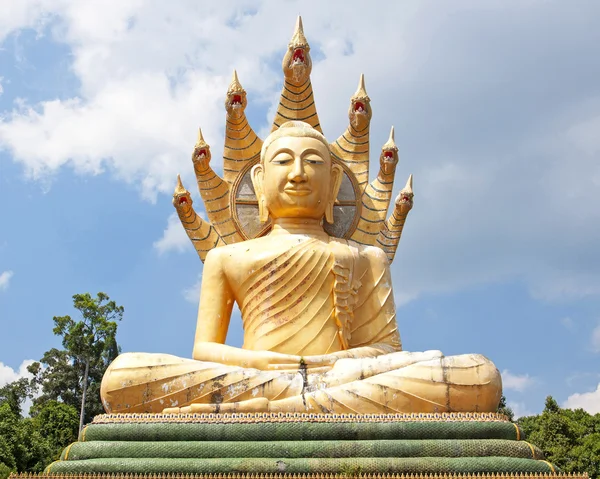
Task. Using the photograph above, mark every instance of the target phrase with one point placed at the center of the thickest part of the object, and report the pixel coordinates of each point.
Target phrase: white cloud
(516, 382)
(5, 278)
(192, 294)
(9, 375)
(596, 339)
(174, 237)
(590, 401)
(568, 323)
(506, 163)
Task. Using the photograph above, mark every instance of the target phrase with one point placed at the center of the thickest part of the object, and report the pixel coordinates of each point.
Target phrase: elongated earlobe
(257, 177)
(336, 182)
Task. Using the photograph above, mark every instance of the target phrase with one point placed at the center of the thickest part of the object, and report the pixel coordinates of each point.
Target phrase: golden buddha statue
(298, 239)
(320, 331)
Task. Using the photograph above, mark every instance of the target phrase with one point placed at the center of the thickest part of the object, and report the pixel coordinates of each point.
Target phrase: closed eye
(314, 160)
(282, 159)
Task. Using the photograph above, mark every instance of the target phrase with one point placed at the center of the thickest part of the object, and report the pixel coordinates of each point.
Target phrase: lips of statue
(297, 178)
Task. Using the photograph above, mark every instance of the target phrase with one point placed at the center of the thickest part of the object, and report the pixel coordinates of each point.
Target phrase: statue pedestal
(240, 445)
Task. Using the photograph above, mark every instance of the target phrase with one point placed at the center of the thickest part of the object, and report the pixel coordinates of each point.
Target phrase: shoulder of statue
(369, 256)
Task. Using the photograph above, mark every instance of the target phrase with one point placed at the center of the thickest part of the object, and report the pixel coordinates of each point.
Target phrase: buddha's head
(296, 177)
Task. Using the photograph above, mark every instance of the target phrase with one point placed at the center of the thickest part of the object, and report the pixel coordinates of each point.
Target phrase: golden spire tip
(200, 137)
(235, 82)
(409, 183)
(299, 26)
(361, 91)
(391, 138)
(298, 36)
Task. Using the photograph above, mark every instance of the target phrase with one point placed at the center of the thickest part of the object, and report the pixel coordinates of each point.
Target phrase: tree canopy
(65, 387)
(73, 375)
(569, 438)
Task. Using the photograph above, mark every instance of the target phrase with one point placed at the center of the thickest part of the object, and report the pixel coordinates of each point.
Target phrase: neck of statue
(305, 226)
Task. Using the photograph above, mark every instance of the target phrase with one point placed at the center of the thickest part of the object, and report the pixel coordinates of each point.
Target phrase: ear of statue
(257, 180)
(336, 182)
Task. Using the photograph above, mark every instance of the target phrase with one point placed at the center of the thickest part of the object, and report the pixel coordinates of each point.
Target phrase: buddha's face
(296, 179)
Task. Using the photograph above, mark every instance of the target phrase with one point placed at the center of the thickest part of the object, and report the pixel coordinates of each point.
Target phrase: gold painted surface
(241, 143)
(203, 235)
(377, 195)
(390, 234)
(352, 147)
(233, 212)
(320, 330)
(297, 101)
(214, 192)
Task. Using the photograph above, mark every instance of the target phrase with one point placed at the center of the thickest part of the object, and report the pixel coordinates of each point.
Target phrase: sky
(496, 109)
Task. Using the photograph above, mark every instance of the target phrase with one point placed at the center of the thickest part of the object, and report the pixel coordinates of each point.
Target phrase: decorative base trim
(298, 417)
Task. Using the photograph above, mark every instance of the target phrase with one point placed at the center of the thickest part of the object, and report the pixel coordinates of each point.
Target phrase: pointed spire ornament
(390, 144)
(361, 92)
(298, 39)
(200, 141)
(180, 189)
(235, 86)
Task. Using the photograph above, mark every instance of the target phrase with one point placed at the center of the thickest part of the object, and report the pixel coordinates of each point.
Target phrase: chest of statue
(288, 296)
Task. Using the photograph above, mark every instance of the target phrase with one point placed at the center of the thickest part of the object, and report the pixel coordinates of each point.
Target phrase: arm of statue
(390, 234)
(216, 304)
(203, 235)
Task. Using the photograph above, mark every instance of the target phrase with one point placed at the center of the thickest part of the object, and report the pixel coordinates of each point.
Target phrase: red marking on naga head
(298, 55)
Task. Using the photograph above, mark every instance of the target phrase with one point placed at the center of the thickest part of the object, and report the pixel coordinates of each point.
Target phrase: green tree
(569, 438)
(21, 446)
(58, 425)
(73, 375)
(15, 393)
(503, 408)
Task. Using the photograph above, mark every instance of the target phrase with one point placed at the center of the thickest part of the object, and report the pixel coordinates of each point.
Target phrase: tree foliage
(73, 375)
(59, 388)
(569, 438)
(503, 408)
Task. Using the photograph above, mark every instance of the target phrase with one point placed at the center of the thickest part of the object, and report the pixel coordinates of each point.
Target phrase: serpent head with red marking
(201, 155)
(182, 199)
(360, 112)
(389, 155)
(297, 63)
(404, 200)
(235, 101)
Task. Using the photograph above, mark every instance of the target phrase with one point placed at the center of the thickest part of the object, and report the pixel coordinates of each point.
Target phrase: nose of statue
(297, 175)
